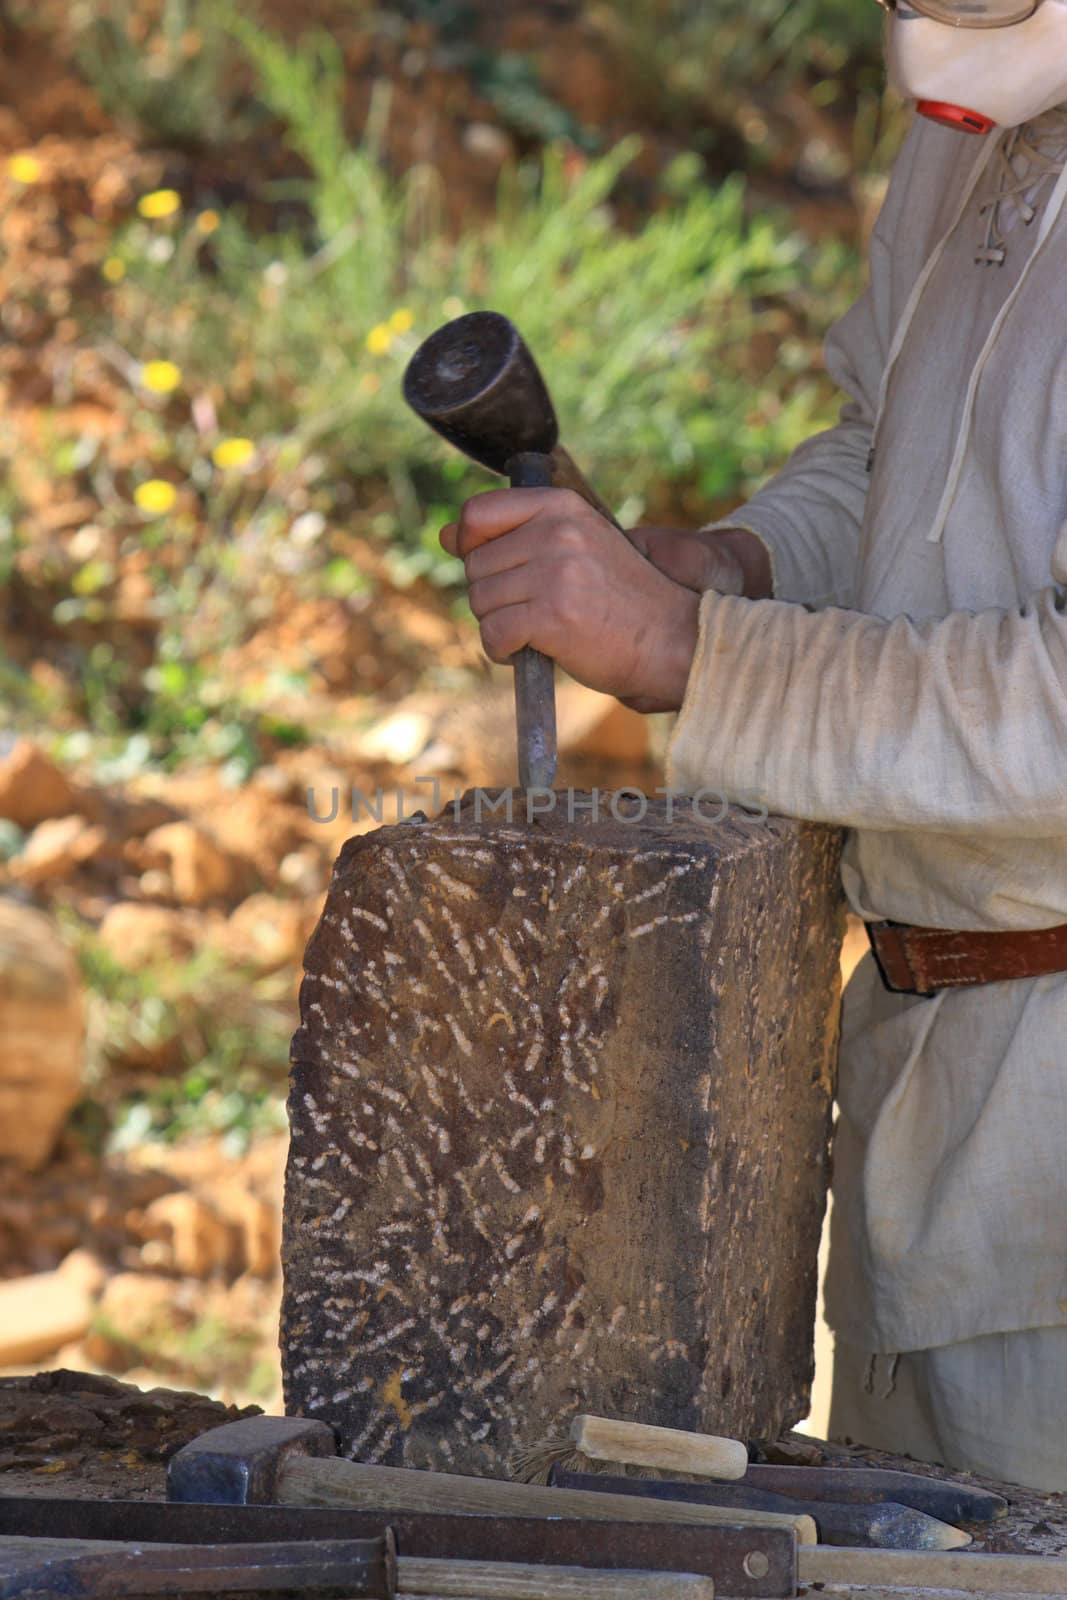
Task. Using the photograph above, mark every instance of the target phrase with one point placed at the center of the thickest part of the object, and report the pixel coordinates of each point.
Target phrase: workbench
(68, 1434)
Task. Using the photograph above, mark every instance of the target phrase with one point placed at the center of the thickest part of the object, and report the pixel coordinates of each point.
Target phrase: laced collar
(1047, 132)
(1024, 163)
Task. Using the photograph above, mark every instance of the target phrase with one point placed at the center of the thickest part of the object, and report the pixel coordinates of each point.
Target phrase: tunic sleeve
(957, 724)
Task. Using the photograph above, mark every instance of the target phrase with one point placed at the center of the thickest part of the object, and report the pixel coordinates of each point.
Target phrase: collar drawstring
(1004, 148)
(985, 155)
(1024, 167)
(1048, 222)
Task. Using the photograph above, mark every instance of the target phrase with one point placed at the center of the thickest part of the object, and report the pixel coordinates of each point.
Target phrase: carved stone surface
(560, 1110)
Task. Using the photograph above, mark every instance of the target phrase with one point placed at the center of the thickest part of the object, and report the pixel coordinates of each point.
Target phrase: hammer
(476, 383)
(293, 1461)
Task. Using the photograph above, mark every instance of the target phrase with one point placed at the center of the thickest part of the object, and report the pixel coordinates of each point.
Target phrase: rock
(32, 788)
(560, 1110)
(489, 143)
(251, 827)
(400, 737)
(792, 1450)
(115, 1439)
(57, 848)
(304, 870)
(200, 871)
(142, 936)
(258, 1225)
(192, 1238)
(84, 1270)
(39, 1314)
(155, 884)
(42, 1024)
(270, 933)
(133, 1301)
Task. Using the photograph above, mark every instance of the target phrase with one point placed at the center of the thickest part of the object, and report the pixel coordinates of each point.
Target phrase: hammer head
(477, 384)
(239, 1463)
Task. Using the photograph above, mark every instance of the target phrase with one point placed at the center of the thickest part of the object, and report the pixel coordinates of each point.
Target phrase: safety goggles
(968, 13)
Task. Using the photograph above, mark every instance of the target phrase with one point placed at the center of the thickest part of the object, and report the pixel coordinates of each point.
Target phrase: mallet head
(239, 1463)
(477, 384)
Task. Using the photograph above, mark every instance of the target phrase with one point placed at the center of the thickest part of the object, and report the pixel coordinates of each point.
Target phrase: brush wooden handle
(495, 1580)
(334, 1481)
(635, 1445)
(920, 1570)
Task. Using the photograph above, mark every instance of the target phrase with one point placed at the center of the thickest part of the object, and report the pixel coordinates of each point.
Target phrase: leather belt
(923, 961)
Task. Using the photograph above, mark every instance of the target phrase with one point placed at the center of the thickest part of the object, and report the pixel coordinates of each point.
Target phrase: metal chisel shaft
(535, 674)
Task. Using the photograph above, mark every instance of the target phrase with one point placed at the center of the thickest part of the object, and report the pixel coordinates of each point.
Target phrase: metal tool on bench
(868, 1518)
(361, 1570)
(476, 383)
(293, 1460)
(938, 1497)
(882, 1524)
(432, 1549)
(271, 1459)
(32, 1528)
(93, 1569)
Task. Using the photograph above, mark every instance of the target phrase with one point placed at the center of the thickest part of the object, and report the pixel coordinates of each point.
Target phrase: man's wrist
(681, 649)
(751, 554)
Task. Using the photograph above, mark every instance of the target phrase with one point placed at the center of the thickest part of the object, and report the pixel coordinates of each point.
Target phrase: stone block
(560, 1109)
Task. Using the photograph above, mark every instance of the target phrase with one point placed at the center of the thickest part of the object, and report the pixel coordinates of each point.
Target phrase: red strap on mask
(957, 117)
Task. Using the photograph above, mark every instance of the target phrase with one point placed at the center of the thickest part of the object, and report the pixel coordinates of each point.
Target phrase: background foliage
(670, 198)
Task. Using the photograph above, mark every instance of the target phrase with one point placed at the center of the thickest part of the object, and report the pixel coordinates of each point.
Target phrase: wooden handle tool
(494, 1580)
(304, 1481)
(954, 1571)
(633, 1444)
(875, 1524)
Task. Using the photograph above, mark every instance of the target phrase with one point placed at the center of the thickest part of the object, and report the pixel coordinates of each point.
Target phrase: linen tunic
(909, 681)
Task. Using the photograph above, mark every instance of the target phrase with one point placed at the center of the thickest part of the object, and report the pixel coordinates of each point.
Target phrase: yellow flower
(25, 168)
(162, 377)
(402, 321)
(380, 340)
(233, 453)
(114, 269)
(207, 222)
(156, 497)
(160, 203)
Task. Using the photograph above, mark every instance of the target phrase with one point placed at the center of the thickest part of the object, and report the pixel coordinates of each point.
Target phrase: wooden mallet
(476, 383)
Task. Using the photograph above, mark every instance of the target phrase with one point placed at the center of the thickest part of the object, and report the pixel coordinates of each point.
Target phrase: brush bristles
(533, 1463)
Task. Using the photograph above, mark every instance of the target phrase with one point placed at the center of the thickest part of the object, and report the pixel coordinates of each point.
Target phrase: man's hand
(733, 561)
(548, 571)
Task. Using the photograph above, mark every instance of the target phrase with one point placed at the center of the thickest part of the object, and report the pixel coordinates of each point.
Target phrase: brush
(597, 1444)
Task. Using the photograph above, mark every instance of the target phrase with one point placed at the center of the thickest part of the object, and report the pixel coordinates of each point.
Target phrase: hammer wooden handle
(669, 1449)
(952, 1571)
(493, 1580)
(566, 474)
(339, 1482)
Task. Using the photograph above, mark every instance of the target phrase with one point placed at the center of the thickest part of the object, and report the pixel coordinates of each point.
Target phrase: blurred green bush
(656, 341)
(258, 344)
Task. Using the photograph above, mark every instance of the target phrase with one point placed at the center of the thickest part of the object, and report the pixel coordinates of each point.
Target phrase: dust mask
(973, 71)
